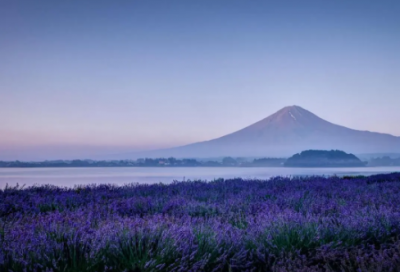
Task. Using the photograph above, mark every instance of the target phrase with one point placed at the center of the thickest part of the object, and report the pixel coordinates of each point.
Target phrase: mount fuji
(288, 131)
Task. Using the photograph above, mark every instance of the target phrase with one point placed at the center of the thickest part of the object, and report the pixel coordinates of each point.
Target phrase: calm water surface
(77, 176)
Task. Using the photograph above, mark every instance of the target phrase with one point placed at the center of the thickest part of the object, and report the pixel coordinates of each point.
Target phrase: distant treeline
(147, 162)
(309, 158)
(384, 161)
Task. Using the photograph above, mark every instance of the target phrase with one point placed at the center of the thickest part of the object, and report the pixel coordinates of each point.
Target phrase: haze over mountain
(288, 131)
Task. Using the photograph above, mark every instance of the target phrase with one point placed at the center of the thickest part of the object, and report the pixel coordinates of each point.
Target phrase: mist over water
(69, 177)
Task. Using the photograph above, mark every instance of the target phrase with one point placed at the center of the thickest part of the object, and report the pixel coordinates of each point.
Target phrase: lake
(149, 175)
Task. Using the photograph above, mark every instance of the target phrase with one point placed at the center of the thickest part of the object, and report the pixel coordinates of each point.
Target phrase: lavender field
(279, 224)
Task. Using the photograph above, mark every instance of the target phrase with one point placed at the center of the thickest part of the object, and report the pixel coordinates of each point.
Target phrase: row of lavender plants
(280, 224)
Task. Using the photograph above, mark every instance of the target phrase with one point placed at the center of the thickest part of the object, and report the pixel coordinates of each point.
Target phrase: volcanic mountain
(288, 131)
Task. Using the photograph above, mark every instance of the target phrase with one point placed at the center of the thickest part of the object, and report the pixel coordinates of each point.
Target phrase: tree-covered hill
(324, 158)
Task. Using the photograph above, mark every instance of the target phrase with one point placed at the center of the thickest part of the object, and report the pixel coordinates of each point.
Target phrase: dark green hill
(323, 158)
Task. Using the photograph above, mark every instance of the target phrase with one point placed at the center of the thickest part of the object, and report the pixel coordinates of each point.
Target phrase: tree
(229, 161)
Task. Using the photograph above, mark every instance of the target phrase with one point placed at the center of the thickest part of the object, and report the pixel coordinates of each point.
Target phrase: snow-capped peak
(294, 118)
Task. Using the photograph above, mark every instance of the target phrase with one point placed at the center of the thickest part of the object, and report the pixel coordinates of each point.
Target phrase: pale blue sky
(80, 79)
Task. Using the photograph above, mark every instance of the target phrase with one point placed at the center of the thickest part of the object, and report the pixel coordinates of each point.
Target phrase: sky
(80, 79)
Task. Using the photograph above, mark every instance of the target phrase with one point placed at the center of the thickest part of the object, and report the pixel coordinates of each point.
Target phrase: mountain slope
(288, 131)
